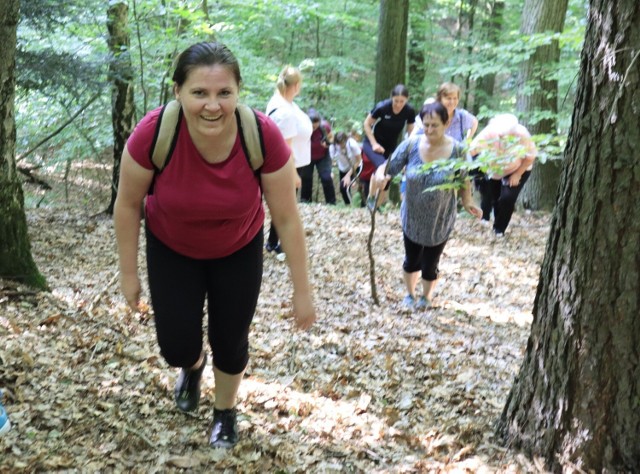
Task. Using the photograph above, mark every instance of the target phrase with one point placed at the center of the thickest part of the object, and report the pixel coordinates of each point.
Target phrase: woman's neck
(443, 140)
(289, 94)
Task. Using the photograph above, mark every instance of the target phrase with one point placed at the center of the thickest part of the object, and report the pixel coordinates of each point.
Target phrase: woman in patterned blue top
(427, 217)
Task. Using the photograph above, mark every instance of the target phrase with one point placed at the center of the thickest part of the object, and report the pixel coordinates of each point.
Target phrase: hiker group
(201, 197)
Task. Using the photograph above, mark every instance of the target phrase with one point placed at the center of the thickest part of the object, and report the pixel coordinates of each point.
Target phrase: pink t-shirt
(204, 210)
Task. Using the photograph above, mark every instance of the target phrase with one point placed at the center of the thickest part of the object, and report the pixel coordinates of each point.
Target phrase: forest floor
(368, 389)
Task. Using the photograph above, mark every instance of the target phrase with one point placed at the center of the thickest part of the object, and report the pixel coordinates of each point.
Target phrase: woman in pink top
(204, 230)
(513, 152)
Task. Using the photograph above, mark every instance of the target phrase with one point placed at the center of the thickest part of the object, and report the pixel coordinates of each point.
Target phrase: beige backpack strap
(166, 134)
(250, 135)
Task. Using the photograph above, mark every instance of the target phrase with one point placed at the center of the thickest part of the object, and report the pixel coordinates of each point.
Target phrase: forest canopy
(63, 58)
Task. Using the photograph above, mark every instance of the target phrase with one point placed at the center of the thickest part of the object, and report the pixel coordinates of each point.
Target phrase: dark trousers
(324, 170)
(343, 189)
(419, 257)
(500, 198)
(179, 286)
(273, 238)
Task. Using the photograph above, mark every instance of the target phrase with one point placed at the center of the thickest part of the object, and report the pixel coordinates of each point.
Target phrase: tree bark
(16, 261)
(538, 92)
(392, 46)
(576, 399)
(121, 76)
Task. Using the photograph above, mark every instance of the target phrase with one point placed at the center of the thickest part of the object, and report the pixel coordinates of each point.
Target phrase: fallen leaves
(367, 389)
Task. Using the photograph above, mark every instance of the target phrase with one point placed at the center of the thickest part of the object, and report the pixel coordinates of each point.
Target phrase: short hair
(288, 77)
(205, 54)
(435, 108)
(503, 124)
(400, 89)
(314, 115)
(447, 88)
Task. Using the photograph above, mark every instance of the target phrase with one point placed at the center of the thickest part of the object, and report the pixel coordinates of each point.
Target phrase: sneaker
(422, 303)
(499, 235)
(224, 433)
(408, 301)
(4, 420)
(273, 248)
(187, 391)
(371, 203)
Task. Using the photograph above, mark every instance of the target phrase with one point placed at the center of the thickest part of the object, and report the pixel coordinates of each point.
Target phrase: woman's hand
(130, 286)
(378, 148)
(303, 311)
(514, 179)
(472, 209)
(346, 181)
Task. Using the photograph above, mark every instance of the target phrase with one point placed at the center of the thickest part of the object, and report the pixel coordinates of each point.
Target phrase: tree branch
(60, 128)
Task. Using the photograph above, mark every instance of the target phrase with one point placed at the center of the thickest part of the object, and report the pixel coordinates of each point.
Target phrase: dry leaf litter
(368, 389)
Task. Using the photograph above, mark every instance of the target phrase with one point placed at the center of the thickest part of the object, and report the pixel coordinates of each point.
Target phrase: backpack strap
(168, 126)
(166, 135)
(250, 136)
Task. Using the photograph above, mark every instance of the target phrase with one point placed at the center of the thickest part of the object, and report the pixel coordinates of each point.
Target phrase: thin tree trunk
(536, 75)
(16, 261)
(121, 76)
(576, 399)
(392, 46)
(483, 93)
(416, 53)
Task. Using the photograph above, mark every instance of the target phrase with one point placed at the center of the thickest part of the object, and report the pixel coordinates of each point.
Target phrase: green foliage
(63, 60)
(457, 170)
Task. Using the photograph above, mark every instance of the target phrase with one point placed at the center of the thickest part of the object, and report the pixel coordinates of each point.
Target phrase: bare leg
(376, 186)
(427, 288)
(199, 362)
(226, 388)
(411, 280)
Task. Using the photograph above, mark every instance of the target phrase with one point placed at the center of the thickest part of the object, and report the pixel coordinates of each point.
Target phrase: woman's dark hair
(340, 138)
(435, 108)
(205, 54)
(400, 89)
(314, 115)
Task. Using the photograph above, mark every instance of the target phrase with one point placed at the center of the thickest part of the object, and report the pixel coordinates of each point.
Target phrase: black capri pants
(179, 286)
(419, 257)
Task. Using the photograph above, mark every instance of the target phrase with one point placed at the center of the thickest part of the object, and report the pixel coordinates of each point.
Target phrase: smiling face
(209, 96)
(450, 101)
(434, 128)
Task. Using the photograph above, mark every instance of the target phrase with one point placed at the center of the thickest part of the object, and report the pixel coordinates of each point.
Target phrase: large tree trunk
(121, 76)
(16, 261)
(576, 399)
(392, 46)
(483, 94)
(538, 92)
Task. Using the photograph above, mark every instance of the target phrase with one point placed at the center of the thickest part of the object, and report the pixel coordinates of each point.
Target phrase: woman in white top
(346, 152)
(295, 127)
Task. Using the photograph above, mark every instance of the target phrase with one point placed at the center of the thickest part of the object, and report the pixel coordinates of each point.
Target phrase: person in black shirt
(383, 128)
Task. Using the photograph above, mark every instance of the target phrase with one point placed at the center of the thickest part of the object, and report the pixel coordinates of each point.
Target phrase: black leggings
(419, 257)
(178, 287)
(500, 198)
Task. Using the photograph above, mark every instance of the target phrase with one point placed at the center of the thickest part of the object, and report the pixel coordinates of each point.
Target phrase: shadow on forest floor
(367, 389)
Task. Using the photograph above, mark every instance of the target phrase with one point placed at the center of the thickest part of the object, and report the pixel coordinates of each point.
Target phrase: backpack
(165, 137)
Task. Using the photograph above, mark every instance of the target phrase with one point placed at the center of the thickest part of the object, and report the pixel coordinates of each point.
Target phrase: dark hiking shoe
(224, 433)
(187, 391)
(273, 248)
